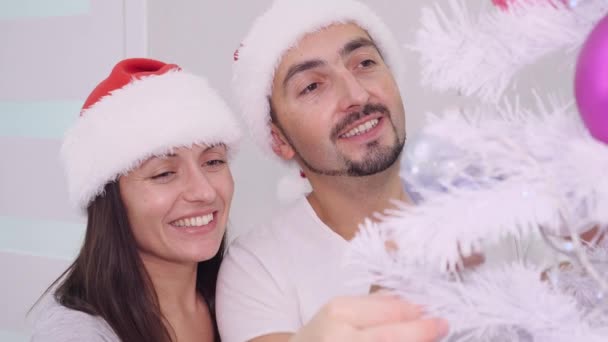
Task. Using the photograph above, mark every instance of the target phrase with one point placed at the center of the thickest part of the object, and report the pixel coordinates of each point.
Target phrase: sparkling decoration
(428, 159)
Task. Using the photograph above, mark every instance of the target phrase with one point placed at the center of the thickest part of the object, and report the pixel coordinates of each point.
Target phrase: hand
(377, 317)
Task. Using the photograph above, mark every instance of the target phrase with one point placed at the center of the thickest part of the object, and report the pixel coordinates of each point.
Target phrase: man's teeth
(362, 128)
(194, 221)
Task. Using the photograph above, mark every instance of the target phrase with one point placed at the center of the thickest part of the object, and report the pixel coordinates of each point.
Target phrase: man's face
(338, 107)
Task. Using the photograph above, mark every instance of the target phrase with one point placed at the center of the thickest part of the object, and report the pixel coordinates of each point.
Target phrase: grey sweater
(56, 323)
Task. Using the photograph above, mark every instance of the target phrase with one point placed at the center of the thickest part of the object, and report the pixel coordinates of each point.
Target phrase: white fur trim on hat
(148, 117)
(279, 29)
(292, 187)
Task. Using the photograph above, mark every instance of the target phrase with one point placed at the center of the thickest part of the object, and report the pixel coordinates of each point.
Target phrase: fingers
(563, 266)
(467, 262)
(422, 330)
(592, 236)
(391, 246)
(370, 310)
(473, 260)
(376, 317)
(375, 288)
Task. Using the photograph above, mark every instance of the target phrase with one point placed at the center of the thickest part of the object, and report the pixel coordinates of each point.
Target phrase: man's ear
(280, 145)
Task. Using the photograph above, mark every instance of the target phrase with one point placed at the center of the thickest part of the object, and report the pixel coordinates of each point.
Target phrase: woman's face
(178, 205)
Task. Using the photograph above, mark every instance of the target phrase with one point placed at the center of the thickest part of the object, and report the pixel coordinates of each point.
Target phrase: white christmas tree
(531, 181)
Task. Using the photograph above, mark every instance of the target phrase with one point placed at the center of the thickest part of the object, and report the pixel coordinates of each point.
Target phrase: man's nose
(352, 92)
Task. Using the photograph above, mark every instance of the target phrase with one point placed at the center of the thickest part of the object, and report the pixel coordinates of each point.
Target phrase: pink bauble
(591, 81)
(504, 4)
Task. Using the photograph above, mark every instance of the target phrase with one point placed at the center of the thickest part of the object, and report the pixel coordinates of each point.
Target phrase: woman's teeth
(194, 221)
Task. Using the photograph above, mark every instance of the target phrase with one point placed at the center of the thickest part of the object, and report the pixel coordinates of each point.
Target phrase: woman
(147, 162)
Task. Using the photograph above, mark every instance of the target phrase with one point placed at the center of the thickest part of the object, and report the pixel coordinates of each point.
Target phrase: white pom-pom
(292, 187)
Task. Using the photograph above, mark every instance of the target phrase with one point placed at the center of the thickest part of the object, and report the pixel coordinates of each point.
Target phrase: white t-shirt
(57, 323)
(275, 278)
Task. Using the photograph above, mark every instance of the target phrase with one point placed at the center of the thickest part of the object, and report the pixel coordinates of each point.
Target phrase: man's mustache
(354, 116)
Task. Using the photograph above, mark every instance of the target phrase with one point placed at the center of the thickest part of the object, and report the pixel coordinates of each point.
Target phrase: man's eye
(311, 87)
(367, 63)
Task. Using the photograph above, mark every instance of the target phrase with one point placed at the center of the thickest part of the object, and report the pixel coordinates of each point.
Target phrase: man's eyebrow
(301, 67)
(355, 44)
(348, 48)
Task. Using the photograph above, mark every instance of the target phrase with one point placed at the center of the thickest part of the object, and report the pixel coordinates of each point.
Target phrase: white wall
(52, 54)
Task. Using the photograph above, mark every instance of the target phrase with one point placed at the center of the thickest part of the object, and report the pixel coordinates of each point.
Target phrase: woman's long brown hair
(108, 278)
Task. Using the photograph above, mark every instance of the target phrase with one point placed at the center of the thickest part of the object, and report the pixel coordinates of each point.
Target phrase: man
(317, 82)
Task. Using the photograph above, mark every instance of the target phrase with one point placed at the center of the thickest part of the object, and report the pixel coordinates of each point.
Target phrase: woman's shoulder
(55, 322)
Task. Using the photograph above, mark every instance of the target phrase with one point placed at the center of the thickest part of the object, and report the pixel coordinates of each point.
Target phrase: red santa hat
(144, 108)
(274, 33)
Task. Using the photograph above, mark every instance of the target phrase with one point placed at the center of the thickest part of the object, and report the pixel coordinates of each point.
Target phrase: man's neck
(344, 203)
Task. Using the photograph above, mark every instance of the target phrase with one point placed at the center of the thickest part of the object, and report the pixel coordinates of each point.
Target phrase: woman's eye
(162, 175)
(215, 164)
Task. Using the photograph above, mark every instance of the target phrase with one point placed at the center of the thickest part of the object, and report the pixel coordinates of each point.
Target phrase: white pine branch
(480, 54)
(508, 303)
(529, 171)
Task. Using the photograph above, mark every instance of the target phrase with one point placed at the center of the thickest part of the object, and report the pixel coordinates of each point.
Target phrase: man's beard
(377, 159)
